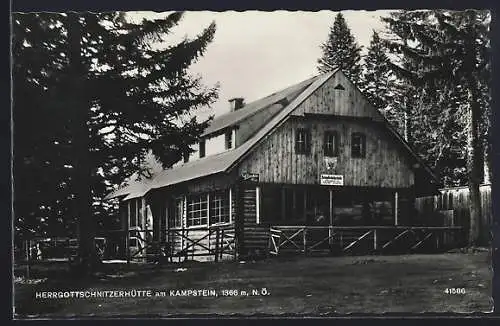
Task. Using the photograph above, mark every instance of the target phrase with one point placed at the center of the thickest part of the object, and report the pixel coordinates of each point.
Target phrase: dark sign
(254, 177)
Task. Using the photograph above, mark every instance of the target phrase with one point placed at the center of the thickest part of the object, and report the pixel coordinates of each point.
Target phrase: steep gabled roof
(131, 190)
(222, 162)
(239, 116)
(227, 160)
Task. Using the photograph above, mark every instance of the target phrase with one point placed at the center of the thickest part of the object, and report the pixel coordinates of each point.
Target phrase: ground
(296, 285)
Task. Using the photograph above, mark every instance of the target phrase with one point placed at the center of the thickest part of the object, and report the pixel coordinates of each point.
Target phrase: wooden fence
(362, 240)
(432, 210)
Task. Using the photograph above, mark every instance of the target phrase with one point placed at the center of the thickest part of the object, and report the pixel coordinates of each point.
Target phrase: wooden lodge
(313, 166)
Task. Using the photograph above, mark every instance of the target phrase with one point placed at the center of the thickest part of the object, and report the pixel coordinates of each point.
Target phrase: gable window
(229, 139)
(358, 145)
(219, 207)
(202, 148)
(331, 143)
(197, 210)
(303, 141)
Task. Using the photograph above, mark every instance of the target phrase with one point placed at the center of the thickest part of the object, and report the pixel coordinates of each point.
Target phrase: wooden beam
(396, 217)
(257, 205)
(357, 240)
(330, 238)
(127, 234)
(230, 204)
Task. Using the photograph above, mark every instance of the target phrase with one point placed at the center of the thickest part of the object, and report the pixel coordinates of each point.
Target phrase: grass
(306, 286)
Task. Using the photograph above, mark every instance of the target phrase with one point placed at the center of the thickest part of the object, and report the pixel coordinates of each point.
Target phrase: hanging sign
(254, 177)
(332, 180)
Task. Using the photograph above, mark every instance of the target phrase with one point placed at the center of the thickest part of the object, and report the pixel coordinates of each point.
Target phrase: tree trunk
(82, 167)
(474, 165)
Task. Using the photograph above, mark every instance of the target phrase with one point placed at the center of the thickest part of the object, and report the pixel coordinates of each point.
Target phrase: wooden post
(28, 263)
(221, 247)
(257, 205)
(437, 240)
(127, 234)
(217, 230)
(375, 240)
(230, 205)
(304, 239)
(330, 240)
(396, 222)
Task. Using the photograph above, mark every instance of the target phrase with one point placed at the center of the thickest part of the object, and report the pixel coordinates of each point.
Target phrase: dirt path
(313, 286)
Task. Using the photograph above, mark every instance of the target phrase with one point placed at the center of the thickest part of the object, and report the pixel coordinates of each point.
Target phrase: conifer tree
(380, 84)
(109, 91)
(450, 56)
(341, 51)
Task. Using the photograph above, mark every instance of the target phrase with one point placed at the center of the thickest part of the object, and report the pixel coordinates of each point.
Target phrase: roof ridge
(252, 108)
(218, 162)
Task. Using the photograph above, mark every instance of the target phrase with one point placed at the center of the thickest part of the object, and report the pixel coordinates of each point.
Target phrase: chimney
(236, 103)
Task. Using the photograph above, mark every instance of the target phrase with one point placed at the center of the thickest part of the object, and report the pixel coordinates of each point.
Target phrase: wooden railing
(363, 239)
(214, 241)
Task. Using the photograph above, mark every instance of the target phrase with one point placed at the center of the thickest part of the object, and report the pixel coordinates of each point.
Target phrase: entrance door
(318, 216)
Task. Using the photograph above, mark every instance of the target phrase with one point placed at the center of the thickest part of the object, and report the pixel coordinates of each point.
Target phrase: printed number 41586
(454, 291)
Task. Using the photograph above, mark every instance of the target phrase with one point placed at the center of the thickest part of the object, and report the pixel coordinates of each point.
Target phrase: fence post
(127, 245)
(375, 240)
(304, 240)
(222, 244)
(216, 244)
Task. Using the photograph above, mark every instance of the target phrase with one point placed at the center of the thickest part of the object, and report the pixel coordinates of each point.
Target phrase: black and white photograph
(251, 163)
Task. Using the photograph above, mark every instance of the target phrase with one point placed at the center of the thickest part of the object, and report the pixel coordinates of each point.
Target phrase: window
(303, 141)
(197, 210)
(219, 207)
(178, 213)
(331, 143)
(202, 148)
(358, 145)
(229, 139)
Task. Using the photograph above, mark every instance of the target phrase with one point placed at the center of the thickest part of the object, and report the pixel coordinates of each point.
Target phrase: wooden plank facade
(319, 156)
(451, 207)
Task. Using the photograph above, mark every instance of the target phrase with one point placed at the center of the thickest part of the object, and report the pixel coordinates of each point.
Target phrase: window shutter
(325, 144)
(363, 139)
(297, 132)
(336, 143)
(308, 141)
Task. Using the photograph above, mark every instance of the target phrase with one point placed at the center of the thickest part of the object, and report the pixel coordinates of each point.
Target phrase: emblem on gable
(330, 163)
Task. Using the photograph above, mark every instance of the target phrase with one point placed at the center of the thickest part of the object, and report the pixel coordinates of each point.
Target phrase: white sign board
(332, 180)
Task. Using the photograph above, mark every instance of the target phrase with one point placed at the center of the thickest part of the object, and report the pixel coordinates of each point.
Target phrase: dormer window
(202, 148)
(229, 139)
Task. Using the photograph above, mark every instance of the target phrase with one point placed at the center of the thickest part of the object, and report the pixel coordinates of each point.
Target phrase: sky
(256, 53)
